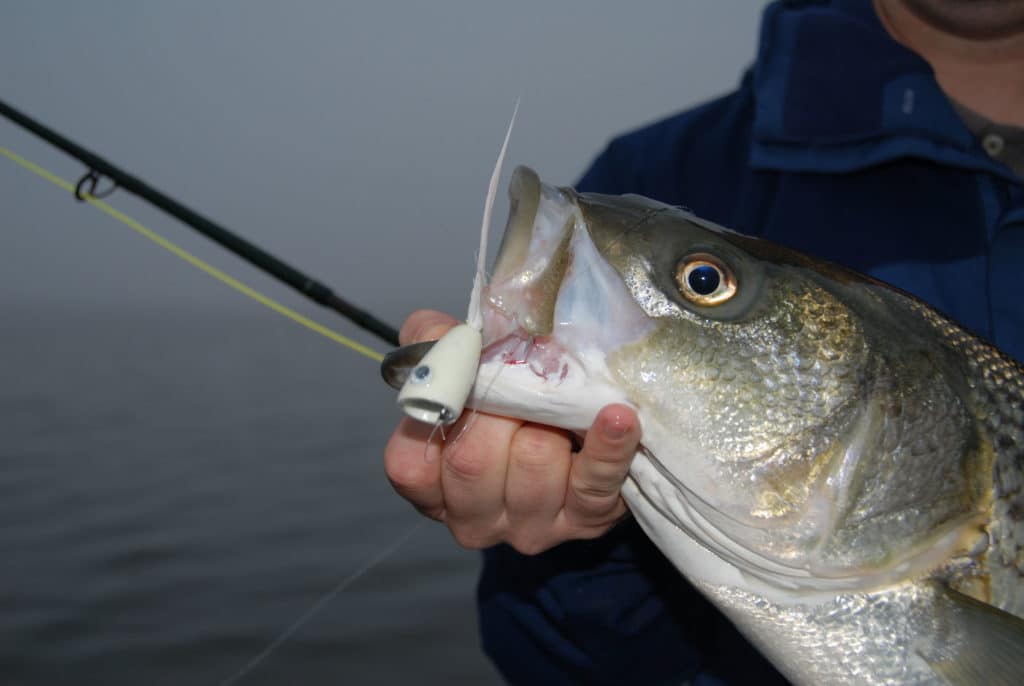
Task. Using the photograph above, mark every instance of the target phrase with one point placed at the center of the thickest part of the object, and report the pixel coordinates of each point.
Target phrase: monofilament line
(319, 604)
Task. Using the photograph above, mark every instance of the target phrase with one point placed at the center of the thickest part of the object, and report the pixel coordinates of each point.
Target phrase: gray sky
(353, 139)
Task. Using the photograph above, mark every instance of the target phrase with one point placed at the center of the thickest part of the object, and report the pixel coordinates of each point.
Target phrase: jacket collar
(834, 92)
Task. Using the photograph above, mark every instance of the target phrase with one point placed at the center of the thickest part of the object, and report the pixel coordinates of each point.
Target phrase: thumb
(601, 466)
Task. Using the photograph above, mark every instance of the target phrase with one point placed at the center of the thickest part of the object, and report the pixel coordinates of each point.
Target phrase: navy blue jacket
(838, 143)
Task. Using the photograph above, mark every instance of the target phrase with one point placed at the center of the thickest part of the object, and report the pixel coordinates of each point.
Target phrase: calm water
(177, 488)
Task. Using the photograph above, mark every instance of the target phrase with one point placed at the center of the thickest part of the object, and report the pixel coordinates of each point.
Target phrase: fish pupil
(704, 279)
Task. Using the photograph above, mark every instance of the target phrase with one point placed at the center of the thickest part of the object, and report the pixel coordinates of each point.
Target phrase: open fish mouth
(550, 315)
(552, 311)
(520, 301)
(516, 308)
(552, 293)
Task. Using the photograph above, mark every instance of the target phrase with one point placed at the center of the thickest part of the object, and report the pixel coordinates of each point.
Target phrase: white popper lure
(437, 388)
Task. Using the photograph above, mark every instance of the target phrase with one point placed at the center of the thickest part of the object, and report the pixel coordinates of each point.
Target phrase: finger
(473, 467)
(600, 468)
(535, 485)
(413, 465)
(425, 325)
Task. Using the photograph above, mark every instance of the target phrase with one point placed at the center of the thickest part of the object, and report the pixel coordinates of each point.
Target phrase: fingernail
(614, 429)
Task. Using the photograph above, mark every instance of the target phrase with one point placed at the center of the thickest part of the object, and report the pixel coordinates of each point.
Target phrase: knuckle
(424, 325)
(406, 476)
(604, 468)
(463, 463)
(532, 463)
(594, 499)
(437, 513)
(609, 460)
(530, 545)
(594, 491)
(472, 538)
(536, 440)
(534, 449)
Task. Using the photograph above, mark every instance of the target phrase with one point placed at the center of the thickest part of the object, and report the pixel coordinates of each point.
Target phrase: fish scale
(997, 398)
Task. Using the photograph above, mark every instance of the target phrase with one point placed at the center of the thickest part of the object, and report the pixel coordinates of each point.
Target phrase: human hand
(506, 480)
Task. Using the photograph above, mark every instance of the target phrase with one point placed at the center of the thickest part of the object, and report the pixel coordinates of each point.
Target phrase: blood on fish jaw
(508, 339)
(541, 354)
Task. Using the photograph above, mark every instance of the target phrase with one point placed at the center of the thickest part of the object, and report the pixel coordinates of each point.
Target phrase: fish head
(751, 367)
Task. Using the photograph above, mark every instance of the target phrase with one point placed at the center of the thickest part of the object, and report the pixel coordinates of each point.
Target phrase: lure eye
(705, 280)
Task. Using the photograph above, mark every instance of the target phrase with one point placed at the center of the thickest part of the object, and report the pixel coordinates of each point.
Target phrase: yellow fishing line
(195, 261)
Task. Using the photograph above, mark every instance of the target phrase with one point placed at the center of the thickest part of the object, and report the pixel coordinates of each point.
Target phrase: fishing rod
(99, 167)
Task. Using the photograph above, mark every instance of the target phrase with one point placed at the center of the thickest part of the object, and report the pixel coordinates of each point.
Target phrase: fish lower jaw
(535, 378)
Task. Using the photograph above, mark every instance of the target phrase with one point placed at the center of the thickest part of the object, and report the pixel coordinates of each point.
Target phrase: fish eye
(705, 280)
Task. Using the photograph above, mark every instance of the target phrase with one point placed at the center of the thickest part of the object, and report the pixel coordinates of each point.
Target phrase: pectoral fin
(976, 643)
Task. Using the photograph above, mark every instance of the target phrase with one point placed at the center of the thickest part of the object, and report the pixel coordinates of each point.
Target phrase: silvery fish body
(834, 464)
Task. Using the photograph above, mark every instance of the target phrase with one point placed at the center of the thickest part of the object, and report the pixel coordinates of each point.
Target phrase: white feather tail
(475, 315)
